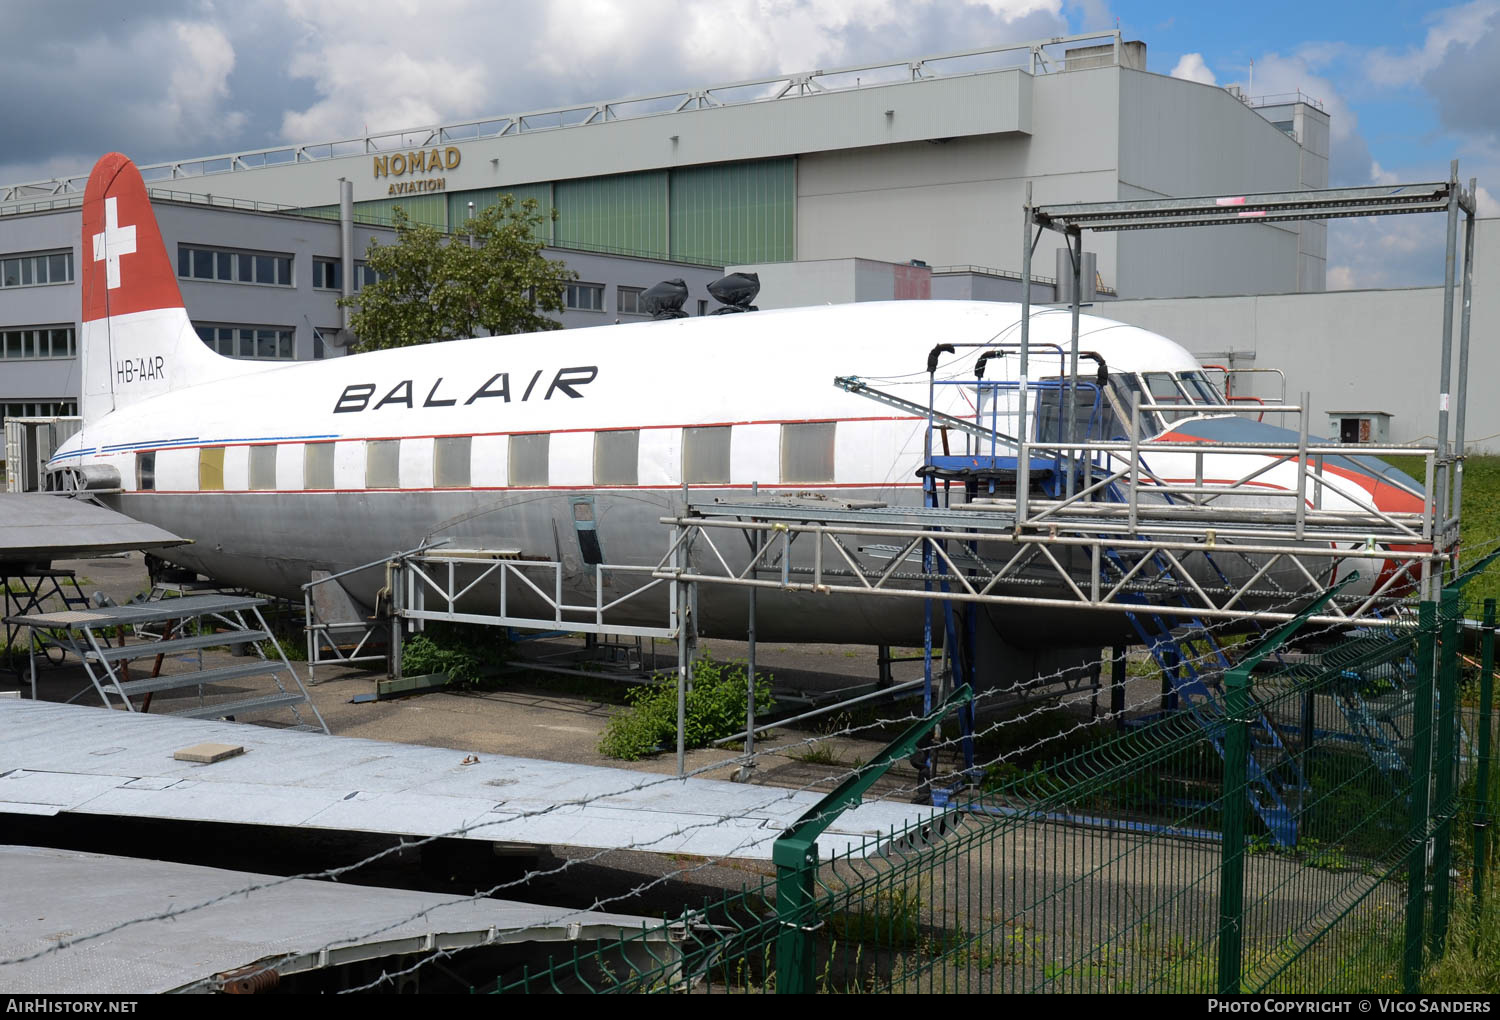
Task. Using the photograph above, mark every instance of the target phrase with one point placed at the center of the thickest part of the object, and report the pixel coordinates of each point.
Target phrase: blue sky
(1408, 86)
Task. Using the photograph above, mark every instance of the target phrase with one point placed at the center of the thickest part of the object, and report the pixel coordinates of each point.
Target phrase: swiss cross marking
(113, 242)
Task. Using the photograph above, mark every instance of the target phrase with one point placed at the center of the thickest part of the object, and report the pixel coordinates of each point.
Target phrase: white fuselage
(547, 418)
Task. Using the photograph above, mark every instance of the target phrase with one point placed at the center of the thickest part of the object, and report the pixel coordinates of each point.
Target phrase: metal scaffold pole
(1070, 433)
(1445, 384)
(1461, 408)
(1023, 464)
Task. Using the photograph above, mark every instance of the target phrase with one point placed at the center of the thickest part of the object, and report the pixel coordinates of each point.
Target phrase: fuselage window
(145, 471)
(210, 468)
(263, 467)
(705, 454)
(450, 462)
(617, 457)
(383, 464)
(807, 452)
(317, 466)
(528, 459)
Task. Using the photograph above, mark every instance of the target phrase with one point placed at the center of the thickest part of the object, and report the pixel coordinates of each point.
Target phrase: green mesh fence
(1108, 870)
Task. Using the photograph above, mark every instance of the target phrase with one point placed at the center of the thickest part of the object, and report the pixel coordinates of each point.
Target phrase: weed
(466, 654)
(890, 919)
(816, 754)
(715, 708)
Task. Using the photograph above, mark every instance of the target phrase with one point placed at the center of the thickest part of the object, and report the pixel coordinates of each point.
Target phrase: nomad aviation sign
(417, 161)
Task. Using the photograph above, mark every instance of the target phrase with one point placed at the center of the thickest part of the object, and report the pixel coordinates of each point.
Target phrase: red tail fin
(125, 264)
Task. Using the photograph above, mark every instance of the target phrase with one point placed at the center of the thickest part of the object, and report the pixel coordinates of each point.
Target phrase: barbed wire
(335, 872)
(1013, 752)
(785, 794)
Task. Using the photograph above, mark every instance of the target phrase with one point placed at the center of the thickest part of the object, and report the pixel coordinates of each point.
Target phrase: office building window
(528, 459)
(807, 452)
(36, 269)
(328, 274)
(39, 409)
(702, 306)
(584, 297)
(317, 466)
(225, 266)
(705, 454)
(628, 300)
(363, 275)
(263, 343)
(38, 343)
(616, 457)
(450, 462)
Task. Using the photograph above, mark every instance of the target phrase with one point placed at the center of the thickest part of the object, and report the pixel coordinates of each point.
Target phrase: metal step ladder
(1274, 776)
(1194, 662)
(107, 640)
(1370, 691)
(25, 590)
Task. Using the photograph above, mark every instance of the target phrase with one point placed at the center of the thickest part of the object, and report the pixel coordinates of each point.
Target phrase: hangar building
(923, 160)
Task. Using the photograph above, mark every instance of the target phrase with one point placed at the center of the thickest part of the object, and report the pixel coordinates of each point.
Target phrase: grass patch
(1479, 525)
(815, 754)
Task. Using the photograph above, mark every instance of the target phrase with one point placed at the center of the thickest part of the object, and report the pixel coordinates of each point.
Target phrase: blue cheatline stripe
(114, 447)
(164, 444)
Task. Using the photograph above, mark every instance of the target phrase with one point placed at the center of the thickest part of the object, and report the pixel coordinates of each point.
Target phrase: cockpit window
(1165, 389)
(1199, 389)
(1125, 385)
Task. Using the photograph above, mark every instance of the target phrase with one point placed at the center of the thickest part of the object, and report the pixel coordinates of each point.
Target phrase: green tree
(434, 287)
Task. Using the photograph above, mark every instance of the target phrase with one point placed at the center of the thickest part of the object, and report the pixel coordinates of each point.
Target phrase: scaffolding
(1445, 481)
(1054, 519)
(1047, 518)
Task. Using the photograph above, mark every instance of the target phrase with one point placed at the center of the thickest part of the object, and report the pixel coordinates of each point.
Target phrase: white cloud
(1192, 68)
(200, 82)
(705, 44)
(1340, 278)
(1486, 203)
(1380, 175)
(1276, 74)
(1456, 25)
(391, 66)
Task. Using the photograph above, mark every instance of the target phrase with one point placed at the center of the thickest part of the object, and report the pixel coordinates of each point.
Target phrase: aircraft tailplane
(136, 340)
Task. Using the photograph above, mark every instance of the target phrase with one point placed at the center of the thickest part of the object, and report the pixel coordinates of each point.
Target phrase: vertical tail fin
(136, 341)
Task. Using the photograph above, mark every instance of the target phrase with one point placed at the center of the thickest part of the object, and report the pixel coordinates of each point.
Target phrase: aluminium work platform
(106, 640)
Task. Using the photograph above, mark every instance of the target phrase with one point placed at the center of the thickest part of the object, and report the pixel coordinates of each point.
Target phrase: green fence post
(1232, 808)
(795, 852)
(1232, 873)
(1416, 866)
(1444, 764)
(796, 863)
(1482, 780)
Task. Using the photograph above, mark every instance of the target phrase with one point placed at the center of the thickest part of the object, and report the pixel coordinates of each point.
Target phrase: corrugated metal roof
(70, 758)
(37, 526)
(50, 896)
